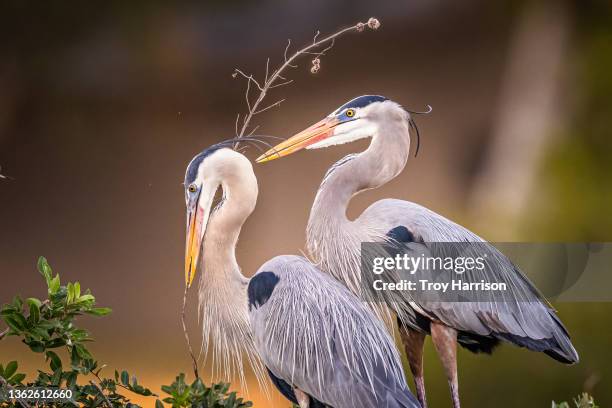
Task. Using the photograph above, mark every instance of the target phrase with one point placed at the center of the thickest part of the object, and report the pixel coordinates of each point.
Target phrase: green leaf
(55, 361)
(57, 377)
(158, 404)
(125, 378)
(45, 269)
(86, 298)
(77, 290)
(17, 303)
(34, 301)
(36, 346)
(13, 324)
(56, 342)
(17, 378)
(10, 369)
(40, 332)
(75, 359)
(167, 389)
(70, 290)
(99, 311)
(54, 285)
(20, 321)
(34, 313)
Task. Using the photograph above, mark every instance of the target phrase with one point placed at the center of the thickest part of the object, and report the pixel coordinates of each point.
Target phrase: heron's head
(213, 167)
(357, 119)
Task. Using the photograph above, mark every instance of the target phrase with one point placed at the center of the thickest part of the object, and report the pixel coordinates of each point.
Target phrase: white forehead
(222, 163)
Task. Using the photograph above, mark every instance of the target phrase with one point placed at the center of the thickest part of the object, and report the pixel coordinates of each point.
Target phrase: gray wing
(521, 316)
(314, 334)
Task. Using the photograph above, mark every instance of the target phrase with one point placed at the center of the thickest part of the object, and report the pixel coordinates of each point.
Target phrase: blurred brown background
(102, 105)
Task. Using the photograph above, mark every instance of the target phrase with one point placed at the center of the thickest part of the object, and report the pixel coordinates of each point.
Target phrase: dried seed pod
(373, 23)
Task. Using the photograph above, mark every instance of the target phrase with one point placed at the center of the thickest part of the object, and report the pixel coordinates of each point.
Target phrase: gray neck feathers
(333, 240)
(223, 288)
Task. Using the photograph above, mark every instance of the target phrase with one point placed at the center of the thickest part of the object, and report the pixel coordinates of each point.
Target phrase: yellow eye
(192, 188)
(350, 113)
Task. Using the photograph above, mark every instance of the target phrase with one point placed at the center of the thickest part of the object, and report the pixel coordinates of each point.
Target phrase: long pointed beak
(193, 243)
(305, 138)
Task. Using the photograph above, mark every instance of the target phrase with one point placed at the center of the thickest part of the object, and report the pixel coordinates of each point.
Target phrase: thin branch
(246, 96)
(253, 131)
(193, 359)
(281, 84)
(3, 333)
(270, 79)
(236, 124)
(269, 106)
(101, 393)
(287, 48)
(10, 387)
(249, 78)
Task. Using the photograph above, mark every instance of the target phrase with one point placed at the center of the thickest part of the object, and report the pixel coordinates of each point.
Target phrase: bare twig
(3, 333)
(287, 48)
(236, 125)
(193, 359)
(95, 384)
(270, 79)
(269, 106)
(6, 385)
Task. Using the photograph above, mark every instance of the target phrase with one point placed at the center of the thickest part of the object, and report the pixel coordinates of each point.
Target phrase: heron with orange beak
(319, 344)
(335, 242)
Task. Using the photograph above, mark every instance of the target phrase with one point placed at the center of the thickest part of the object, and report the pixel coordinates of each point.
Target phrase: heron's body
(522, 318)
(312, 332)
(315, 340)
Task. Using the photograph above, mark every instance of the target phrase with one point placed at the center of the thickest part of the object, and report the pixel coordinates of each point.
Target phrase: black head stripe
(192, 168)
(361, 101)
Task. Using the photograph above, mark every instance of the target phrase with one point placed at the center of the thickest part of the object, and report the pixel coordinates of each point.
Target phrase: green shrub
(46, 326)
(582, 401)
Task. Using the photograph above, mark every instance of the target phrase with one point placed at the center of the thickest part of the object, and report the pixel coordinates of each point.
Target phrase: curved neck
(219, 248)
(223, 288)
(383, 160)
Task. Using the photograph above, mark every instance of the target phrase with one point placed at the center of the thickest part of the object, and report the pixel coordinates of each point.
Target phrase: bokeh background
(103, 104)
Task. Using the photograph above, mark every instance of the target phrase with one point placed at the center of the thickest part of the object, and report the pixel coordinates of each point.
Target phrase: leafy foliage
(48, 327)
(199, 395)
(582, 401)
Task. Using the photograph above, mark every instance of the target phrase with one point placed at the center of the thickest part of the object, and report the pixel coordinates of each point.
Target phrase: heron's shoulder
(282, 263)
(419, 220)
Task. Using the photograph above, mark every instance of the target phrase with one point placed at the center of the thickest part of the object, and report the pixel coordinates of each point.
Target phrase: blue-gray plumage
(318, 342)
(328, 335)
(523, 317)
(287, 390)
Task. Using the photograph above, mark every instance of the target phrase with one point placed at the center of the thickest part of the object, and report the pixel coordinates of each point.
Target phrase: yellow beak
(305, 138)
(193, 245)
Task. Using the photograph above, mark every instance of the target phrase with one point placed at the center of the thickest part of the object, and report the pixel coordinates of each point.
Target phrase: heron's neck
(223, 288)
(382, 161)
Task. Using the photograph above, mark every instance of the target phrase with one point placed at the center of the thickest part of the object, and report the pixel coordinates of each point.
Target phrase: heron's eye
(192, 188)
(350, 113)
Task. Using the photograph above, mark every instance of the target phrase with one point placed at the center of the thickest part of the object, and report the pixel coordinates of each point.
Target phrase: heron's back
(312, 332)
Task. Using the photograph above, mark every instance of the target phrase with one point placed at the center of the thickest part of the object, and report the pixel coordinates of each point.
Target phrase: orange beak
(193, 244)
(315, 133)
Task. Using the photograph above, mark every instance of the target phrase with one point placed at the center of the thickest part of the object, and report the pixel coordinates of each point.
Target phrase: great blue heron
(334, 242)
(316, 339)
